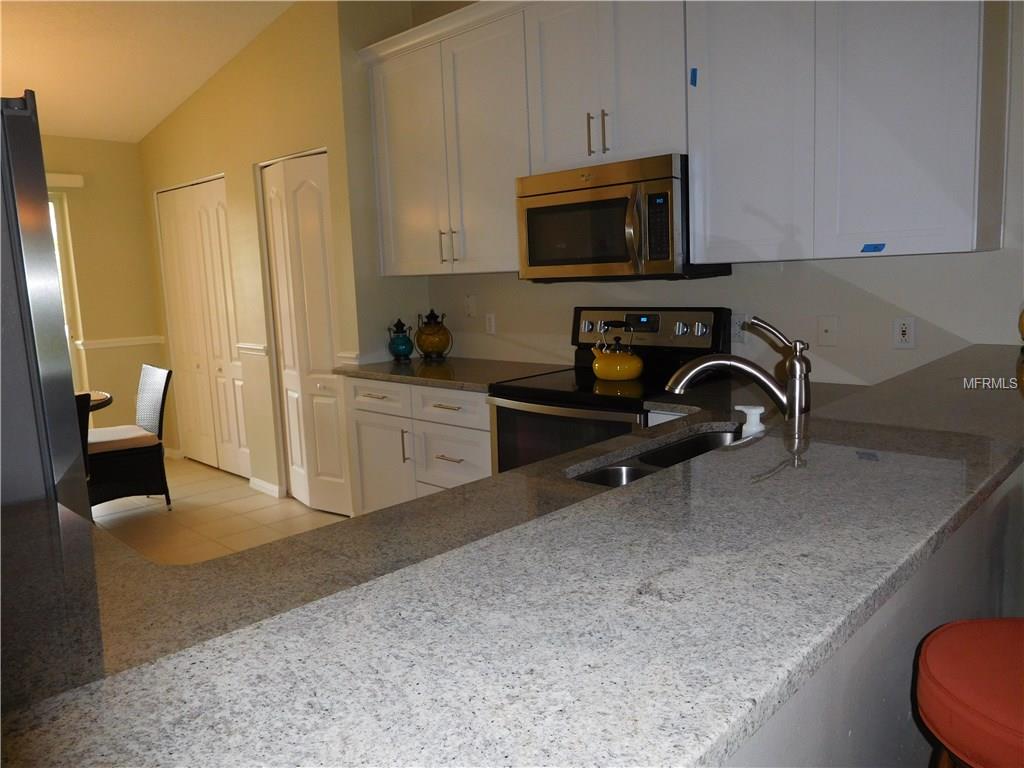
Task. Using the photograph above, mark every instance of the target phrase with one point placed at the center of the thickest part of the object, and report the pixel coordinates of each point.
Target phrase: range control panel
(684, 328)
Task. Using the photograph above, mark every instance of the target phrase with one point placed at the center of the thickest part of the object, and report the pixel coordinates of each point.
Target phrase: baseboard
(173, 453)
(263, 486)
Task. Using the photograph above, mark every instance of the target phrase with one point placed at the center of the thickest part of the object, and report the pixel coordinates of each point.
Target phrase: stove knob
(700, 329)
(682, 328)
(587, 326)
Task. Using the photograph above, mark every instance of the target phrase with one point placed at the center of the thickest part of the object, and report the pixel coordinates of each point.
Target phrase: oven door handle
(634, 230)
(571, 413)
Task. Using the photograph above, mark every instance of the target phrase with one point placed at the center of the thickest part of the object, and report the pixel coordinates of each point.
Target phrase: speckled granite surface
(453, 373)
(660, 623)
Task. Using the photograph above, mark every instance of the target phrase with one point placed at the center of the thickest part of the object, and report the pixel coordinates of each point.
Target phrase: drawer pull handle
(446, 407)
(442, 457)
(405, 458)
(374, 396)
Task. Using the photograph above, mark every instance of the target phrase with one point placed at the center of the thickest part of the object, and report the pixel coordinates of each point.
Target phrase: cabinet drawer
(449, 456)
(378, 396)
(451, 406)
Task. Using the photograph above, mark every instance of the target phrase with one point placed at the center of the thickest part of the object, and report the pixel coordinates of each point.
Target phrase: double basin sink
(625, 472)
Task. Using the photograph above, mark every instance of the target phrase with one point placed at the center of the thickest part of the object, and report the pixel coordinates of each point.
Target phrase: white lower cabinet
(396, 458)
(382, 448)
(450, 456)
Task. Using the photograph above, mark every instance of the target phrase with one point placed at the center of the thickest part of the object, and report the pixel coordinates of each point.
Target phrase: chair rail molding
(128, 341)
(247, 348)
(65, 181)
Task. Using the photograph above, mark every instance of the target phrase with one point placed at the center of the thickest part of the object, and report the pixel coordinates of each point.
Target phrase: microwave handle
(634, 229)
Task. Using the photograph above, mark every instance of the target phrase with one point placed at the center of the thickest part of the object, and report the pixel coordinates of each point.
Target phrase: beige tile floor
(213, 513)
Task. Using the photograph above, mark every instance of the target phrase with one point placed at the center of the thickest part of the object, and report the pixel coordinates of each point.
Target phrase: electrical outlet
(903, 335)
(828, 330)
(470, 305)
(737, 332)
(489, 323)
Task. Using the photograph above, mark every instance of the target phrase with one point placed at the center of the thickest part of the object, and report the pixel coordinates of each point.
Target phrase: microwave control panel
(659, 226)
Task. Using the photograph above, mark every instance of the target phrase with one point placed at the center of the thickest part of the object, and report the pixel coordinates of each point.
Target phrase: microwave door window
(591, 232)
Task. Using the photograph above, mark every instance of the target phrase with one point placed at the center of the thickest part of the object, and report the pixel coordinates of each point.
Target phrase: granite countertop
(658, 623)
(466, 373)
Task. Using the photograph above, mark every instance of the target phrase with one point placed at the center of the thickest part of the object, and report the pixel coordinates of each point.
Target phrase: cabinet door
(297, 209)
(896, 127)
(226, 368)
(382, 453)
(566, 70)
(411, 171)
(450, 456)
(488, 142)
(187, 323)
(645, 99)
(751, 140)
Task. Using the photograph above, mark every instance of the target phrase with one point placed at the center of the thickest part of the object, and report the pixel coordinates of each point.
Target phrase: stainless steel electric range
(538, 417)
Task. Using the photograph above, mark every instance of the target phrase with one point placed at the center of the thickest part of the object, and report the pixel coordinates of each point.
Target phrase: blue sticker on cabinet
(873, 248)
(693, 76)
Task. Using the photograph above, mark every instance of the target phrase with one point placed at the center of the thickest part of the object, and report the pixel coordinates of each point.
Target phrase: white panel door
(751, 130)
(896, 127)
(186, 317)
(210, 206)
(384, 466)
(567, 64)
(411, 174)
(297, 210)
(487, 134)
(645, 100)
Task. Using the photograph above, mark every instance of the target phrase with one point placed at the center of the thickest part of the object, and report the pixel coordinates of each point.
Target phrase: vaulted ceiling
(114, 70)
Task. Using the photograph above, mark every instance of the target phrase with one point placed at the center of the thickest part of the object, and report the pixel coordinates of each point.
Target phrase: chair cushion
(120, 438)
(970, 690)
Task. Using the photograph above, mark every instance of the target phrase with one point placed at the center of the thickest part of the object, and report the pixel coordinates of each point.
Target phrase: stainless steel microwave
(619, 221)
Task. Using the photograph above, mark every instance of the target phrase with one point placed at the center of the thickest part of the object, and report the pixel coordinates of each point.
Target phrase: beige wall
(282, 94)
(379, 300)
(958, 299)
(277, 97)
(422, 12)
(115, 273)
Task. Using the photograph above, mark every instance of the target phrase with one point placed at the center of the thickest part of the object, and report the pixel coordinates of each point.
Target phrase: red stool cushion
(970, 690)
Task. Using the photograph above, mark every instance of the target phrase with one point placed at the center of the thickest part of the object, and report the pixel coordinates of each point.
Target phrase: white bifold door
(297, 208)
(202, 334)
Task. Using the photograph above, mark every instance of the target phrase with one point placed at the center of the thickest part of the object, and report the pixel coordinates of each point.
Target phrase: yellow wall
(280, 95)
(116, 274)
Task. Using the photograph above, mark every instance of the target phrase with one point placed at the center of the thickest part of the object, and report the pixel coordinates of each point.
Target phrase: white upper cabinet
(451, 138)
(566, 61)
(412, 180)
(606, 82)
(647, 91)
(897, 127)
(486, 130)
(751, 130)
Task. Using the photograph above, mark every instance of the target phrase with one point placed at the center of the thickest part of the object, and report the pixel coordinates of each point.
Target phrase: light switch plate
(904, 335)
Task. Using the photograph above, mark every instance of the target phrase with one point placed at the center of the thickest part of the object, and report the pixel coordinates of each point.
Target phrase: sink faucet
(792, 401)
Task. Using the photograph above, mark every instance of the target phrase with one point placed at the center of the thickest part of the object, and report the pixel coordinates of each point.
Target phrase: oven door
(582, 233)
(522, 433)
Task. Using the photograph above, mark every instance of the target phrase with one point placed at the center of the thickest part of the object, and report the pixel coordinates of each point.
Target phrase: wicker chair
(128, 460)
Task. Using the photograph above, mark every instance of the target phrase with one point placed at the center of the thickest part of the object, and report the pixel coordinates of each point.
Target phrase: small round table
(99, 400)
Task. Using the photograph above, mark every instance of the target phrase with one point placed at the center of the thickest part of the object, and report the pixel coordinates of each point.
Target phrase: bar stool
(970, 692)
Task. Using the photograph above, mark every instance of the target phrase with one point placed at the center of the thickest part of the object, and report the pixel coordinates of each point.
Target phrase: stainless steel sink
(686, 449)
(625, 472)
(617, 475)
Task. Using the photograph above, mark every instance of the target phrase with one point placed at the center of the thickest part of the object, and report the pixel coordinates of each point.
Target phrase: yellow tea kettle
(613, 362)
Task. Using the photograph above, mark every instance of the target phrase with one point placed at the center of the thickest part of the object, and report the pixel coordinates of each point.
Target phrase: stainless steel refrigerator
(50, 621)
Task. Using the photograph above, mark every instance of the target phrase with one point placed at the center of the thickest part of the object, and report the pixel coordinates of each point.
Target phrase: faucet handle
(797, 346)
